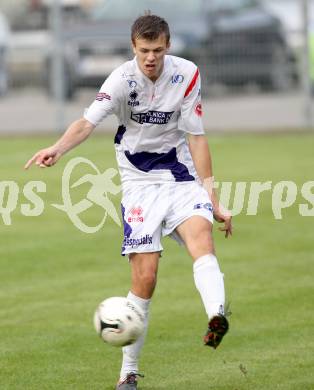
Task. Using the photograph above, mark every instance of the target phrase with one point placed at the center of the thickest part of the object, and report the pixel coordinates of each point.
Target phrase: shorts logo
(135, 215)
(144, 240)
(177, 79)
(133, 96)
(102, 95)
(198, 110)
(153, 117)
(207, 206)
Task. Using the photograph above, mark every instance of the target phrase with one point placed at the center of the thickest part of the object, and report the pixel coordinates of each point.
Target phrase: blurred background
(256, 59)
(257, 63)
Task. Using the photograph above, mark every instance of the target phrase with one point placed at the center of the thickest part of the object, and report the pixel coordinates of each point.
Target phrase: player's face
(150, 55)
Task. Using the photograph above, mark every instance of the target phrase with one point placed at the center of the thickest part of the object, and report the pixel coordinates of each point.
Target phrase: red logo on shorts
(136, 213)
(198, 110)
(136, 210)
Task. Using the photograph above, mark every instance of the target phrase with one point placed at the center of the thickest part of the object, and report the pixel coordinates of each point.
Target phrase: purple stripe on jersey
(145, 161)
(119, 135)
(126, 227)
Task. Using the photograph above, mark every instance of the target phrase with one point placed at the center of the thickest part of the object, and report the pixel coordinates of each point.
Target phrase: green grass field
(52, 277)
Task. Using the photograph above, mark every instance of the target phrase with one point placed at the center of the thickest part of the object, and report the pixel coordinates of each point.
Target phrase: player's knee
(195, 230)
(200, 244)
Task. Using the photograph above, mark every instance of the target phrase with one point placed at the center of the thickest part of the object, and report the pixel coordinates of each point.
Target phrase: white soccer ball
(119, 321)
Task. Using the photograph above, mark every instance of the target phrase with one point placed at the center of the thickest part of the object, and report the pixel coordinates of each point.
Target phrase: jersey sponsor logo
(198, 109)
(177, 79)
(207, 206)
(102, 95)
(153, 117)
(132, 83)
(133, 102)
(144, 240)
(135, 214)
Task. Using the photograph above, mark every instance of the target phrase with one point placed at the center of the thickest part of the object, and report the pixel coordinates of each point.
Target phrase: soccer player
(165, 167)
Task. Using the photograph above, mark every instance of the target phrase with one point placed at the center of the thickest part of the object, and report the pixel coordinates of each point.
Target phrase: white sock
(210, 284)
(131, 353)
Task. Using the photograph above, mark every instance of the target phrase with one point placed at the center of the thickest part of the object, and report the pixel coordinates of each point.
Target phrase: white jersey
(154, 118)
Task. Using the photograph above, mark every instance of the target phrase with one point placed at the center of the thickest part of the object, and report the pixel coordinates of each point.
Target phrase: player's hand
(224, 216)
(44, 158)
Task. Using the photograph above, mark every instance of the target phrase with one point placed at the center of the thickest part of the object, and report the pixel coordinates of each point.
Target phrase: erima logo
(133, 102)
(138, 241)
(154, 117)
(136, 213)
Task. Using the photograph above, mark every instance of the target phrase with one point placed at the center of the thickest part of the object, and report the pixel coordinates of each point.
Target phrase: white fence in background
(251, 80)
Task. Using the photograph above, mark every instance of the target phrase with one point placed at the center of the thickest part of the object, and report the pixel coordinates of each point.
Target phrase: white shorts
(151, 211)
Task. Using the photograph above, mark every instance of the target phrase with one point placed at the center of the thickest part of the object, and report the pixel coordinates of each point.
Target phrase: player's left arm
(201, 156)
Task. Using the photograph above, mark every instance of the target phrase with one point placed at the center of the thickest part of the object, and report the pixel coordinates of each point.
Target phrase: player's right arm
(76, 133)
(107, 101)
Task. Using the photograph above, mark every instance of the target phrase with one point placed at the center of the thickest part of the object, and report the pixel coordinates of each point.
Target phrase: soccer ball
(119, 321)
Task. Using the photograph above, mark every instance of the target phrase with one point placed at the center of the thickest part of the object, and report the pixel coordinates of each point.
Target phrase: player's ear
(168, 46)
(133, 48)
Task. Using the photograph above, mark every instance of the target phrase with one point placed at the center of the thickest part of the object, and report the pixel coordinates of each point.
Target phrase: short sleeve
(107, 100)
(190, 120)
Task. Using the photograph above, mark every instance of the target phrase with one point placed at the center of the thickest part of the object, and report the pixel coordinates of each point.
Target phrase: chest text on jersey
(154, 117)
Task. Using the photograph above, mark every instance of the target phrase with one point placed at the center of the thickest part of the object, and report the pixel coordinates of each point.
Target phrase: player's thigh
(196, 232)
